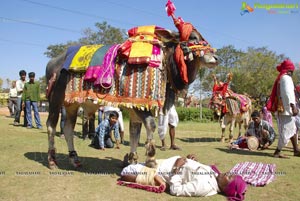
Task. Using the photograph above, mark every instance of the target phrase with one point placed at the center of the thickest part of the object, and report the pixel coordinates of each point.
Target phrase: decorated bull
(142, 74)
(230, 108)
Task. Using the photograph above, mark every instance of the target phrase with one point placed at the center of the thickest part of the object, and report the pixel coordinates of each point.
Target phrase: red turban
(236, 189)
(285, 66)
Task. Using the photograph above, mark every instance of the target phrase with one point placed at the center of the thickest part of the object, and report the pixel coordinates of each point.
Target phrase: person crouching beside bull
(260, 132)
(103, 136)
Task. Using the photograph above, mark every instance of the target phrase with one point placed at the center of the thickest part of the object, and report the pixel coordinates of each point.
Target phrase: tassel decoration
(170, 8)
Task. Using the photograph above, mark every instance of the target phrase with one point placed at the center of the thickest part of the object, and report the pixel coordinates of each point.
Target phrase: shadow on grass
(91, 165)
(201, 139)
(245, 152)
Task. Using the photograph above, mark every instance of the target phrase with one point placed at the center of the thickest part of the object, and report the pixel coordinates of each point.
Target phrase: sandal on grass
(280, 156)
(163, 148)
(175, 147)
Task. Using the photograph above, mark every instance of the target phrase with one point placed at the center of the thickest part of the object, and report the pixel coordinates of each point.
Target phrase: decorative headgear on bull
(184, 49)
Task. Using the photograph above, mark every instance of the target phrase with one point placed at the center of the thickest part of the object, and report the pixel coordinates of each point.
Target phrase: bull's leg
(240, 128)
(223, 135)
(135, 132)
(150, 126)
(51, 130)
(231, 131)
(69, 135)
(223, 127)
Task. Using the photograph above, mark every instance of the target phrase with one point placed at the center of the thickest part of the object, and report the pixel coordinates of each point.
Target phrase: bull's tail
(50, 85)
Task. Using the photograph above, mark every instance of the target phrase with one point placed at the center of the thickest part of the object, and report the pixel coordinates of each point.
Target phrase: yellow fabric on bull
(139, 48)
(82, 58)
(146, 176)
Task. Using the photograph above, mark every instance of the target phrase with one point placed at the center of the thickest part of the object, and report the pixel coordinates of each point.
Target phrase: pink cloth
(236, 189)
(256, 174)
(267, 116)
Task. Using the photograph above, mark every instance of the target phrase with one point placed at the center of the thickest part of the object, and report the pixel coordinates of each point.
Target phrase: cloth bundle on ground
(256, 174)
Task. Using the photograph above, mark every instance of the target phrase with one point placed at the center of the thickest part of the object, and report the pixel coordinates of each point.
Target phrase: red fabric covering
(179, 58)
(155, 189)
(221, 87)
(283, 68)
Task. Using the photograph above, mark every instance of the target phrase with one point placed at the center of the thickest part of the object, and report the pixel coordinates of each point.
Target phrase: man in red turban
(283, 102)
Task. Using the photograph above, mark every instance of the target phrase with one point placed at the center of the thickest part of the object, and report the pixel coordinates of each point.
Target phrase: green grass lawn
(24, 174)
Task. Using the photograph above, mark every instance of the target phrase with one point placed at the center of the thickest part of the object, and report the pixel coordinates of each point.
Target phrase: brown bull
(230, 108)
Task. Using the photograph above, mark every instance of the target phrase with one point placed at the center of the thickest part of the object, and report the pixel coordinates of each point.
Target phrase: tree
(1, 84)
(105, 34)
(43, 85)
(255, 72)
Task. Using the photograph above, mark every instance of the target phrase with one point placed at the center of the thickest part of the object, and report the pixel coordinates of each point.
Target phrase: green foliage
(104, 34)
(55, 50)
(185, 114)
(1, 84)
(193, 114)
(254, 71)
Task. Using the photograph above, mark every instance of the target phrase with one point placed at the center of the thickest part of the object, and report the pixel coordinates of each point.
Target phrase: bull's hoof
(131, 158)
(52, 165)
(52, 159)
(74, 160)
(222, 139)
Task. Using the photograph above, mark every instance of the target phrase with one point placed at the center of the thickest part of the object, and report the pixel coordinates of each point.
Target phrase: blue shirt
(256, 131)
(104, 129)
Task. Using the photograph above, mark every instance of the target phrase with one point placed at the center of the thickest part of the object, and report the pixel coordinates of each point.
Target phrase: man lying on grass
(185, 176)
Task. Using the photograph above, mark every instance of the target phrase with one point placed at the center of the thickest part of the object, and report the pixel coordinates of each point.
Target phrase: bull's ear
(166, 35)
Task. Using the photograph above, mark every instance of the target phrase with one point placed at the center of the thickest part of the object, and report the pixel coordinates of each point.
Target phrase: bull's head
(186, 54)
(216, 104)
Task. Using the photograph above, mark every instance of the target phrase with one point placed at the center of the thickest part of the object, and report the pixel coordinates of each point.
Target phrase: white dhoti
(286, 129)
(163, 120)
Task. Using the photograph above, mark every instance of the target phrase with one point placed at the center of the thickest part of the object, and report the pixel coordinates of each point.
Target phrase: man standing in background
(31, 97)
(20, 86)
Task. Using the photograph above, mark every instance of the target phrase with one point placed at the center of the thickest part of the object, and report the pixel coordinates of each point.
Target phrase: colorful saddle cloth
(143, 46)
(130, 74)
(237, 103)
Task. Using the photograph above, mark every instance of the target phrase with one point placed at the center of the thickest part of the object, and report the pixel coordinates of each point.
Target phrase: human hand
(266, 146)
(180, 162)
(294, 110)
(192, 157)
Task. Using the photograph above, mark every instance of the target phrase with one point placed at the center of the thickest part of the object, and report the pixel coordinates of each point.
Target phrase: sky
(28, 27)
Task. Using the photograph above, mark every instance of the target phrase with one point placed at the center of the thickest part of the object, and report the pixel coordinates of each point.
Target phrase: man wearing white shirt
(187, 177)
(286, 109)
(20, 86)
(12, 101)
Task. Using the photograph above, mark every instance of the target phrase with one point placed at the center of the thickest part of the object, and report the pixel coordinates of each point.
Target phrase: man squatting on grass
(187, 177)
